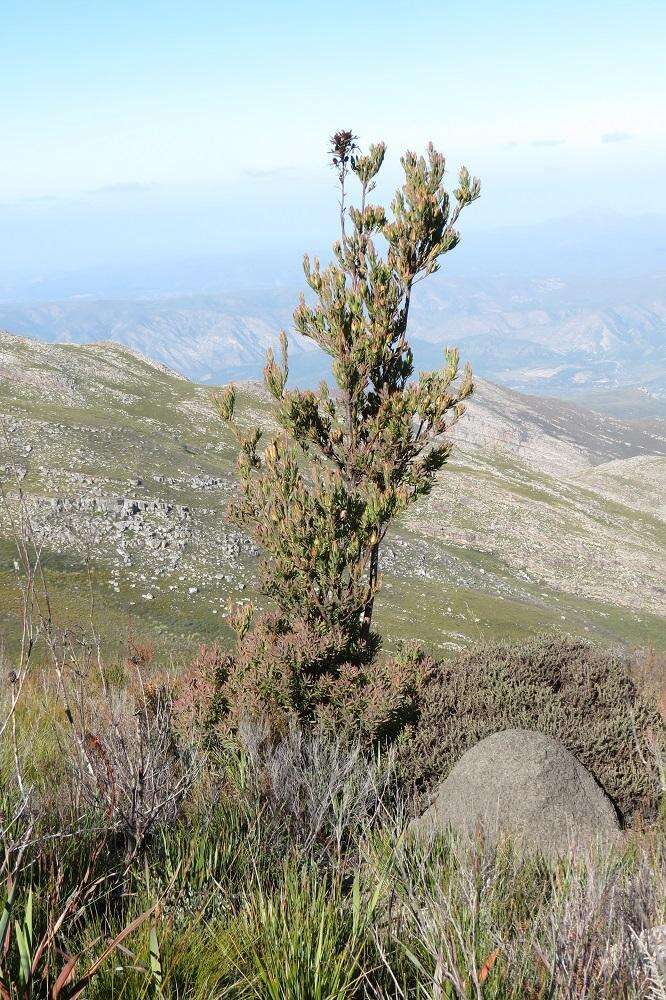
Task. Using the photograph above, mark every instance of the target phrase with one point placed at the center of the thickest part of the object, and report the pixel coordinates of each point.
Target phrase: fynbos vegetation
(238, 825)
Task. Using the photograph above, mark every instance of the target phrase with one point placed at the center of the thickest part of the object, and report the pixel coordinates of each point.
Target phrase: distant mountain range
(548, 336)
(554, 336)
(572, 307)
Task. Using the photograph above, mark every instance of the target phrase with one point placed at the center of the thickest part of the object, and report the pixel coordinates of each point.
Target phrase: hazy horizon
(150, 131)
(583, 248)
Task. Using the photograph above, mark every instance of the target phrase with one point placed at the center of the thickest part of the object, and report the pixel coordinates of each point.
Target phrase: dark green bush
(564, 687)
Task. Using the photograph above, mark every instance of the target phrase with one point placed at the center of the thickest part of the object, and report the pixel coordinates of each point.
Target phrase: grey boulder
(528, 787)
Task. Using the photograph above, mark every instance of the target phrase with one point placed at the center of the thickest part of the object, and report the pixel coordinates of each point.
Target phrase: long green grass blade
(155, 958)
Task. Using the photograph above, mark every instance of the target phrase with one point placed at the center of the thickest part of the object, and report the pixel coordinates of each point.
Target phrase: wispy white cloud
(267, 174)
(616, 136)
(125, 187)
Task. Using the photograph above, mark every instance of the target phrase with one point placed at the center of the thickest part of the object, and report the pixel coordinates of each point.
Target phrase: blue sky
(159, 128)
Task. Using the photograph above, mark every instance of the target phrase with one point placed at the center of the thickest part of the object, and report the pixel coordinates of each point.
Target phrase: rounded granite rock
(525, 786)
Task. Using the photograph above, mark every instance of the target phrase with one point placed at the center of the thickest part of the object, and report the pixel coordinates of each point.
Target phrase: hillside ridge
(594, 437)
(542, 518)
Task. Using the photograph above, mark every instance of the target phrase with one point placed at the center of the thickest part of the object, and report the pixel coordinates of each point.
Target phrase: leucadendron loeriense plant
(320, 497)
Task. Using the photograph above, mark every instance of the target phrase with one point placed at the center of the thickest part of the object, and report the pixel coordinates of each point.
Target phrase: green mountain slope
(548, 516)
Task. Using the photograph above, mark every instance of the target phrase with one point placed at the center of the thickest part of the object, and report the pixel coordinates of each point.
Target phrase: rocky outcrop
(156, 528)
(526, 786)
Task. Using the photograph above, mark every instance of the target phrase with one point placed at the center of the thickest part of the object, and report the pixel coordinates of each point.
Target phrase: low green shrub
(306, 940)
(283, 872)
(564, 687)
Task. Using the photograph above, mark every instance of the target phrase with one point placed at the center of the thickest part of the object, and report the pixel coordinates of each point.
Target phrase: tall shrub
(321, 496)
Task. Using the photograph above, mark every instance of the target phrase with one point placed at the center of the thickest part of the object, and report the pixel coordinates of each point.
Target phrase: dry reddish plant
(131, 765)
(567, 688)
(140, 652)
(289, 671)
(193, 690)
